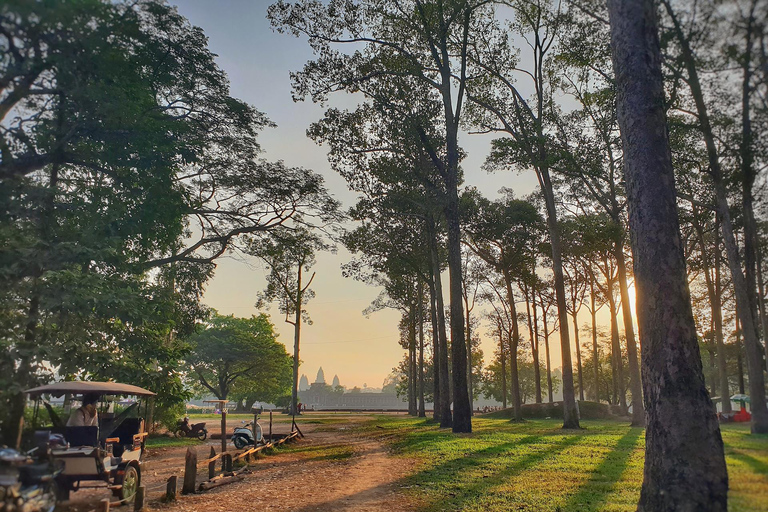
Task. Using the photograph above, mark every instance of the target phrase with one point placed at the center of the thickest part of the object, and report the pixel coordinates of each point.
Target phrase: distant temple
(322, 396)
(303, 383)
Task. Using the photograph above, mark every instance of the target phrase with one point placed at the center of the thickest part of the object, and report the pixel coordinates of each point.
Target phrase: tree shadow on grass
(757, 466)
(593, 494)
(452, 470)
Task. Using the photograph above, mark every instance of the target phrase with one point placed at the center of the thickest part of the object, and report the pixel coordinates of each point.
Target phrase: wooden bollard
(212, 465)
(170, 488)
(190, 472)
(105, 505)
(227, 463)
(223, 428)
(270, 425)
(138, 501)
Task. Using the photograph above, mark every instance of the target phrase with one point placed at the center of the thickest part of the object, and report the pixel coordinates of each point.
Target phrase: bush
(587, 411)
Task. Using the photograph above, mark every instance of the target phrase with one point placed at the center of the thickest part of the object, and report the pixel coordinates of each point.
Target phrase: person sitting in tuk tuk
(85, 415)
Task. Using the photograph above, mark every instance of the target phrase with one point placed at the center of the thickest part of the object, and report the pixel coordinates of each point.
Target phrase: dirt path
(328, 471)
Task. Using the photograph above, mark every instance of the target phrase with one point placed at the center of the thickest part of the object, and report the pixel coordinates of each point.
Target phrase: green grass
(169, 442)
(537, 466)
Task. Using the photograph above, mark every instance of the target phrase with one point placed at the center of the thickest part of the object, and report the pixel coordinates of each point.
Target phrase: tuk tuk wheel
(129, 484)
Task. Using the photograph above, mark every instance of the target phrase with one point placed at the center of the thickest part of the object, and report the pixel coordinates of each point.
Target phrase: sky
(360, 350)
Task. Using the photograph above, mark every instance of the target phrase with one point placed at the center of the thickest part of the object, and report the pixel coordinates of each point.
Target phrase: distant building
(336, 382)
(320, 376)
(303, 383)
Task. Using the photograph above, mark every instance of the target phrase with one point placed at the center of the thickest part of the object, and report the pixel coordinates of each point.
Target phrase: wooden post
(227, 463)
(190, 472)
(223, 427)
(105, 505)
(170, 488)
(270, 425)
(253, 428)
(212, 465)
(138, 501)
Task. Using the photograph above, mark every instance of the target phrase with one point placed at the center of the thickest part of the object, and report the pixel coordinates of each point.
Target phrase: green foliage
(241, 357)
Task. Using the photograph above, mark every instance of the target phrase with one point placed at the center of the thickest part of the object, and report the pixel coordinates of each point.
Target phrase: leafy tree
(406, 45)
(240, 357)
(289, 254)
(126, 168)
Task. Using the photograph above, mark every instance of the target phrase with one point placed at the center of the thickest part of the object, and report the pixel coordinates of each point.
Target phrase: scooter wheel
(180, 433)
(239, 442)
(202, 435)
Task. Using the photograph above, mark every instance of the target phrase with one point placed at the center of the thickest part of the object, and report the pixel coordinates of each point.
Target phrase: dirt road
(329, 471)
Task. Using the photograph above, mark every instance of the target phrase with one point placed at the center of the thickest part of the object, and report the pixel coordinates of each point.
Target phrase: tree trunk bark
(546, 354)
(739, 357)
(717, 310)
(684, 463)
(296, 338)
(435, 352)
(635, 384)
(412, 360)
(578, 353)
(462, 413)
(503, 361)
(514, 342)
(617, 360)
(595, 353)
(422, 404)
(570, 412)
(446, 419)
(534, 333)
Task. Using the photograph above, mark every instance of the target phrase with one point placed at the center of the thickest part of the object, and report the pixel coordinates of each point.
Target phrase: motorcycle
(244, 435)
(184, 429)
(27, 484)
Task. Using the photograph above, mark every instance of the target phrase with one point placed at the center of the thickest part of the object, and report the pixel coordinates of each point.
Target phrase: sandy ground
(302, 481)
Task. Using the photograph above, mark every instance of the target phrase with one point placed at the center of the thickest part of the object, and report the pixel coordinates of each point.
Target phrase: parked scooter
(27, 484)
(184, 429)
(244, 435)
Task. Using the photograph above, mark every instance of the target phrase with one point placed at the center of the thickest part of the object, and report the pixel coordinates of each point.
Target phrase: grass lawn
(537, 466)
(167, 442)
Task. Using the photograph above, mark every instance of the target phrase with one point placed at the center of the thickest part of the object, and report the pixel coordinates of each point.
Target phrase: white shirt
(81, 418)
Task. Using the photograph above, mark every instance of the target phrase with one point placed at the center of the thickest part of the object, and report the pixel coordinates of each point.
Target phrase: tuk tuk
(108, 455)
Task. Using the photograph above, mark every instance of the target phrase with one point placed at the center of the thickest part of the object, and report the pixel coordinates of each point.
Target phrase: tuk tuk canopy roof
(87, 387)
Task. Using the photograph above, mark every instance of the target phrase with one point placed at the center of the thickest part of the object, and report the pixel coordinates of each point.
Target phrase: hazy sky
(341, 340)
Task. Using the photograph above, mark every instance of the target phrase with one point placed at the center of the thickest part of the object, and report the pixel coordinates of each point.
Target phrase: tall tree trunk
(744, 296)
(570, 412)
(578, 352)
(422, 404)
(717, 311)
(534, 333)
(462, 412)
(503, 360)
(514, 342)
(595, 353)
(296, 338)
(435, 351)
(635, 385)
(446, 419)
(546, 354)
(617, 360)
(469, 355)
(682, 430)
(739, 357)
(412, 360)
